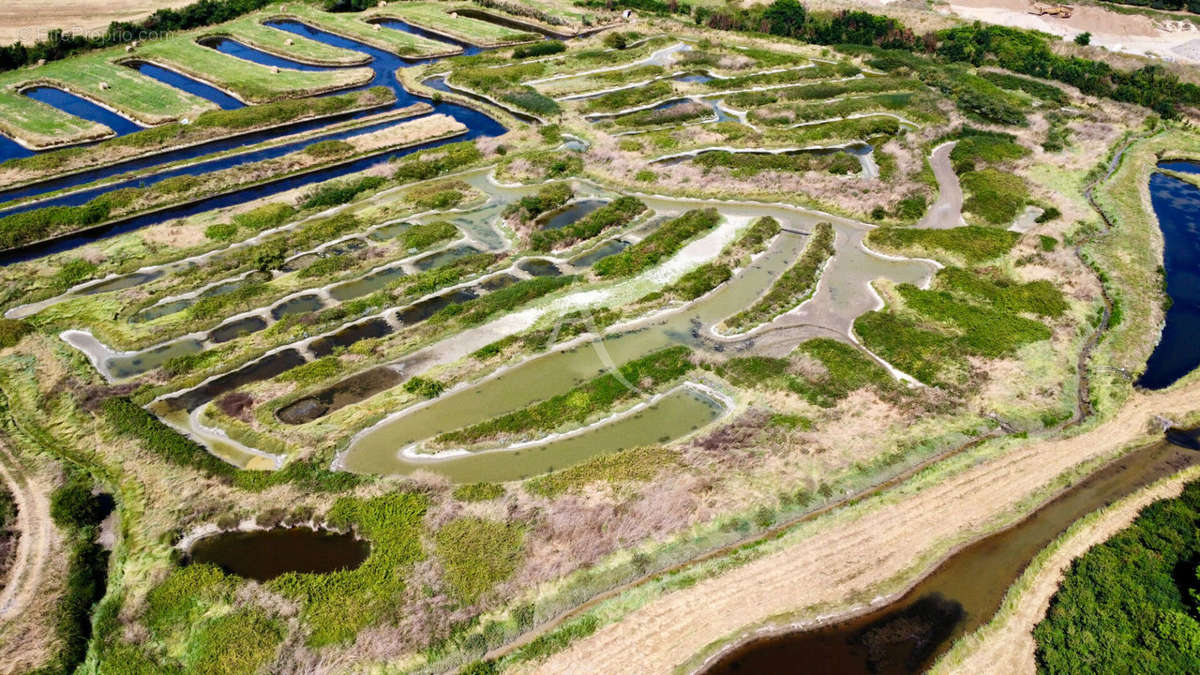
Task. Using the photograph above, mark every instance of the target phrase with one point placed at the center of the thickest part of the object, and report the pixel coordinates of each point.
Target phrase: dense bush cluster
(659, 245)
(541, 48)
(334, 194)
(546, 199)
(616, 213)
(1129, 605)
(132, 420)
(436, 161)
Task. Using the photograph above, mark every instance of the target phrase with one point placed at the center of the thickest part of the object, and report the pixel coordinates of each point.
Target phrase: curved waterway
(386, 447)
(263, 555)
(962, 594)
(1176, 204)
(385, 66)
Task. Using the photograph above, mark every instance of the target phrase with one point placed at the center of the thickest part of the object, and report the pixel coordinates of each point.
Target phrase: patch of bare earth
(854, 553)
(30, 20)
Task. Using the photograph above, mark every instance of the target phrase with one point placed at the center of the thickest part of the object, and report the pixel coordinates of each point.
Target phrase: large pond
(962, 594)
(265, 554)
(1177, 205)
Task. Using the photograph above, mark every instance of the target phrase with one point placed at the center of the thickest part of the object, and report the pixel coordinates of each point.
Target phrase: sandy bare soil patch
(1129, 33)
(29, 20)
(853, 553)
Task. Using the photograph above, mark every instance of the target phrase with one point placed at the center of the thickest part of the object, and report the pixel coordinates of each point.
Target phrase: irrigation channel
(959, 596)
(1176, 205)
(384, 64)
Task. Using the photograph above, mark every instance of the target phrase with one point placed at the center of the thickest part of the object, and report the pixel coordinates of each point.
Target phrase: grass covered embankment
(208, 126)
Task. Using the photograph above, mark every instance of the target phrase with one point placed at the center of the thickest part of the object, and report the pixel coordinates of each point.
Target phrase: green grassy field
(440, 18)
(96, 77)
(252, 32)
(354, 27)
(252, 82)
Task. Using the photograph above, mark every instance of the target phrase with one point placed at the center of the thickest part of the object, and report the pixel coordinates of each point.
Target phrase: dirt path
(1010, 647)
(35, 533)
(946, 212)
(856, 551)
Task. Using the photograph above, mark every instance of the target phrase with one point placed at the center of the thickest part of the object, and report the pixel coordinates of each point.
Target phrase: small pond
(265, 554)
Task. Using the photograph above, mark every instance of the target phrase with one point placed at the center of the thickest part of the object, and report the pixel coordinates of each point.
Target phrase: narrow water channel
(81, 107)
(385, 66)
(962, 594)
(1176, 204)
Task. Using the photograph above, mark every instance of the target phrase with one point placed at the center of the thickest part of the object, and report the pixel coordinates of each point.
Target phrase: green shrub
(701, 280)
(337, 193)
(265, 217)
(996, 196)
(579, 404)
(314, 371)
(974, 244)
(1036, 297)
(330, 264)
(616, 213)
(478, 310)
(1051, 213)
(477, 554)
(1047, 243)
(423, 387)
(423, 236)
(478, 492)
(847, 370)
(659, 245)
(434, 162)
(329, 149)
(221, 231)
(542, 48)
(130, 419)
(73, 272)
(548, 198)
(11, 332)
(73, 506)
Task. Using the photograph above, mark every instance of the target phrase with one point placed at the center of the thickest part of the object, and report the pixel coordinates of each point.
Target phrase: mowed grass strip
(437, 17)
(37, 125)
(354, 26)
(251, 82)
(251, 31)
(792, 287)
(580, 404)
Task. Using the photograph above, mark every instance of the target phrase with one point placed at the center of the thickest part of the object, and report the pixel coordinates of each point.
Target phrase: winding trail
(36, 533)
(946, 211)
